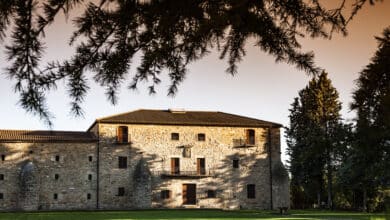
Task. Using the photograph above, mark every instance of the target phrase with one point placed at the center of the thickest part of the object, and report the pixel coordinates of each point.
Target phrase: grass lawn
(193, 214)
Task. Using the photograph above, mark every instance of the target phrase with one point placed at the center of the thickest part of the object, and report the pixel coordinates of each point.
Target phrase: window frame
(236, 163)
(187, 152)
(211, 193)
(250, 137)
(175, 165)
(165, 194)
(122, 162)
(201, 166)
(121, 191)
(175, 136)
(201, 137)
(122, 135)
(251, 191)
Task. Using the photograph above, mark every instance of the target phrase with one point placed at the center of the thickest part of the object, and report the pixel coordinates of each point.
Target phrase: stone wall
(33, 176)
(30, 170)
(153, 144)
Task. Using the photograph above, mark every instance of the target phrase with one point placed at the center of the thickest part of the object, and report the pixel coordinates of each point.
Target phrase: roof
(182, 117)
(46, 136)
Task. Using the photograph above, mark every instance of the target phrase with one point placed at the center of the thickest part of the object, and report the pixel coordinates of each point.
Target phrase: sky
(262, 88)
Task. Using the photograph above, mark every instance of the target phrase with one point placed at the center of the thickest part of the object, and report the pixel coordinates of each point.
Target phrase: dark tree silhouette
(315, 139)
(168, 34)
(367, 166)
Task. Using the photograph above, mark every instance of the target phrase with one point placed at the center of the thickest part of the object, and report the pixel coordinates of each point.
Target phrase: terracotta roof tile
(200, 118)
(45, 136)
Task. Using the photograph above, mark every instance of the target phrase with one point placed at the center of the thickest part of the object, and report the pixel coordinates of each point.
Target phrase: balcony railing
(240, 142)
(186, 174)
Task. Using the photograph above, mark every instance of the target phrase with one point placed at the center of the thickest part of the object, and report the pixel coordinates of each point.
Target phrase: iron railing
(241, 142)
(182, 173)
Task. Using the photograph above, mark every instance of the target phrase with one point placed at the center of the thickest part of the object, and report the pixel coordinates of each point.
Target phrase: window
(236, 163)
(122, 134)
(90, 158)
(250, 137)
(121, 191)
(251, 191)
(57, 158)
(55, 196)
(201, 166)
(201, 137)
(165, 194)
(56, 176)
(1, 176)
(89, 196)
(187, 152)
(175, 166)
(175, 136)
(89, 176)
(122, 162)
(211, 194)
(1, 196)
(3, 157)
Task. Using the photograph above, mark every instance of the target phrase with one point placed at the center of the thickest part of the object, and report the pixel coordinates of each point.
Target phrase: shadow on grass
(192, 214)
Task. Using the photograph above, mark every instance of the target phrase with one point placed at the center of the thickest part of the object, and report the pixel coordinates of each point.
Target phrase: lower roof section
(40, 136)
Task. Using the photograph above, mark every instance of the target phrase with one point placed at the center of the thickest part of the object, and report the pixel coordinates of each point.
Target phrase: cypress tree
(313, 138)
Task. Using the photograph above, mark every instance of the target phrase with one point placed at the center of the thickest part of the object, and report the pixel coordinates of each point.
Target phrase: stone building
(146, 159)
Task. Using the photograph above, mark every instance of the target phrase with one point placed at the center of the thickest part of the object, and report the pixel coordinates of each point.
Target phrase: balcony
(186, 174)
(243, 143)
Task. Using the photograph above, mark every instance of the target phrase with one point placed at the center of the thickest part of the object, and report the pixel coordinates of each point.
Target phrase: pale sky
(262, 89)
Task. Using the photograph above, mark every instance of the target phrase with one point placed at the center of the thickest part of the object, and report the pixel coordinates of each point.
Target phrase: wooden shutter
(201, 166)
(250, 136)
(172, 165)
(175, 166)
(184, 193)
(119, 135)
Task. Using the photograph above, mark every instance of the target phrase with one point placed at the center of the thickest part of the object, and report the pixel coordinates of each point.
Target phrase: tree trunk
(330, 186)
(364, 200)
(319, 199)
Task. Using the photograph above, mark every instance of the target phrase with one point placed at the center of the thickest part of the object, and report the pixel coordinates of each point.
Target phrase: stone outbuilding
(146, 159)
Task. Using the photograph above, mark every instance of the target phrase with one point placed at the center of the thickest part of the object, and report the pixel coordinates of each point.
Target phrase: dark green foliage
(315, 139)
(366, 167)
(167, 34)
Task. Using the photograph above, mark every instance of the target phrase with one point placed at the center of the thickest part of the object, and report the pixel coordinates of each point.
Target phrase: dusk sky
(262, 89)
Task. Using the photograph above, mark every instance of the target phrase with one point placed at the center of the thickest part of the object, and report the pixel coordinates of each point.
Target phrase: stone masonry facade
(162, 163)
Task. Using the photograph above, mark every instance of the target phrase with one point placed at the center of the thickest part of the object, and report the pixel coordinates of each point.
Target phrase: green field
(193, 214)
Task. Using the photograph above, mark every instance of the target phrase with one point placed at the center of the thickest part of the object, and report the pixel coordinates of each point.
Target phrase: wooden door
(189, 194)
(201, 166)
(175, 166)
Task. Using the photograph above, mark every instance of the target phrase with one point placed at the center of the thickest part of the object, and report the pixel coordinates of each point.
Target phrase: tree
(367, 166)
(168, 34)
(315, 138)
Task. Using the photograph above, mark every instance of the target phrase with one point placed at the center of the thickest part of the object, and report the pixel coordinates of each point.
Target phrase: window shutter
(119, 135)
(247, 134)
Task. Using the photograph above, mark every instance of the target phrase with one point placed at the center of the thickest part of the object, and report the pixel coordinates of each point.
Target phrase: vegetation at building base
(167, 35)
(354, 158)
(194, 214)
